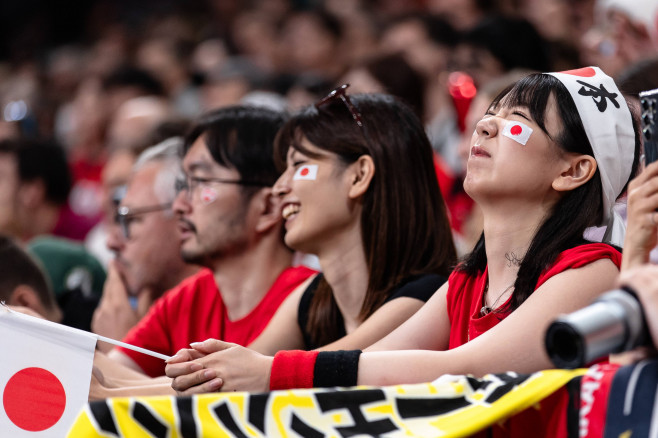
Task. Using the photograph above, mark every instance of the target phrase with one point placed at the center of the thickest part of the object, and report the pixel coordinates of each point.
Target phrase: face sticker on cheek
(517, 131)
(208, 195)
(307, 172)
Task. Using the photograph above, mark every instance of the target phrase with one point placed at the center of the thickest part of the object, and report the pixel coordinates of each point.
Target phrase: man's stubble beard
(233, 240)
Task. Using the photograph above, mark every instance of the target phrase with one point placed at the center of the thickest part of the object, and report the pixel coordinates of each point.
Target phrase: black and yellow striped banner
(449, 406)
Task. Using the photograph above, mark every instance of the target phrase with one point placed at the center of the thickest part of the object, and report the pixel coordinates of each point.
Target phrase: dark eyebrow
(297, 155)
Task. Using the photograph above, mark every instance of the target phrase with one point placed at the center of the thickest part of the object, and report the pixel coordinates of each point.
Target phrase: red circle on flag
(34, 399)
(516, 130)
(304, 171)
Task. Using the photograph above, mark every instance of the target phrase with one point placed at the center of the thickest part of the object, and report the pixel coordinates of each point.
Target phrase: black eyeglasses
(190, 183)
(125, 215)
(341, 93)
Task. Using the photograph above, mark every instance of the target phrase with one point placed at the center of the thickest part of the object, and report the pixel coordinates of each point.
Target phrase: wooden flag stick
(132, 347)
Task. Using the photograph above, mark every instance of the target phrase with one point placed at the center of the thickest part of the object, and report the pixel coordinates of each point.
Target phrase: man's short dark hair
(132, 77)
(639, 76)
(241, 138)
(514, 42)
(18, 268)
(41, 159)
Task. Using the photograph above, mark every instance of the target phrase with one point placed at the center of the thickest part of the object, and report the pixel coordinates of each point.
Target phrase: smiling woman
(373, 209)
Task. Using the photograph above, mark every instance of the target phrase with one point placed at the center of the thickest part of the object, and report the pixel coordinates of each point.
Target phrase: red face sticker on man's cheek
(208, 195)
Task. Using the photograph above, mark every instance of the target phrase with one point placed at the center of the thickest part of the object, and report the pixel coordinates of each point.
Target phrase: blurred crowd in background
(85, 86)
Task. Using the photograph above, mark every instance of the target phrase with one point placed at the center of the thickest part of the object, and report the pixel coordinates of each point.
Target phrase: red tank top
(465, 293)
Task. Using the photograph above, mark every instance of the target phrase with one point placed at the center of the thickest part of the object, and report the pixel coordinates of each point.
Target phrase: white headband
(609, 127)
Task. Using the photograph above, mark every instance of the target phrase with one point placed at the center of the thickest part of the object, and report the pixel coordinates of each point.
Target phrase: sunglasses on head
(341, 93)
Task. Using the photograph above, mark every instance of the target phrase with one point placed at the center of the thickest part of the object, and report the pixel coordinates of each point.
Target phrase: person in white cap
(624, 32)
(547, 161)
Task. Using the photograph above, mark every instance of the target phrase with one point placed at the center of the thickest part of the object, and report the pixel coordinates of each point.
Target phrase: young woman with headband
(547, 161)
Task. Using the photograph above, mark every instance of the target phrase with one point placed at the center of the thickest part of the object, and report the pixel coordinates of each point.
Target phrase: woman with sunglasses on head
(360, 192)
(548, 160)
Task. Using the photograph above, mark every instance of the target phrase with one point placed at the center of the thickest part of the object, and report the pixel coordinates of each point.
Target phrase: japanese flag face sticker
(307, 172)
(517, 131)
(208, 195)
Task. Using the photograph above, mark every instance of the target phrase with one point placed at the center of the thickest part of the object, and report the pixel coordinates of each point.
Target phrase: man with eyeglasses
(229, 221)
(147, 258)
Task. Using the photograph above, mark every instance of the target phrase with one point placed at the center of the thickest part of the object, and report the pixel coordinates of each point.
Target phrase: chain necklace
(485, 310)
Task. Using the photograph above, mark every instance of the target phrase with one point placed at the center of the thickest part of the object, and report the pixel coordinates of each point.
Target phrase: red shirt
(465, 293)
(464, 303)
(194, 311)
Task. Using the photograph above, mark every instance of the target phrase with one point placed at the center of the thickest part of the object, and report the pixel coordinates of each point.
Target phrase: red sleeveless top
(465, 292)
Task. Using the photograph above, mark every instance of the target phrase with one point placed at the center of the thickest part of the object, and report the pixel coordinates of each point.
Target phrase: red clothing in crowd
(194, 311)
(459, 204)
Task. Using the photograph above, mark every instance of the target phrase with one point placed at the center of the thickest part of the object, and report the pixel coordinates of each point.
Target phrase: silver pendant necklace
(485, 310)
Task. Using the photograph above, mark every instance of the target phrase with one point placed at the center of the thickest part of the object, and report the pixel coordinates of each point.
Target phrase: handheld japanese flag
(44, 375)
(517, 131)
(308, 171)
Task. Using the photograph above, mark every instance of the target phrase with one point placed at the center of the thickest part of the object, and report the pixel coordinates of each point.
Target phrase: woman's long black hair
(576, 211)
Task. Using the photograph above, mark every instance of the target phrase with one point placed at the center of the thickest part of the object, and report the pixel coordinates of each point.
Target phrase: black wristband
(336, 368)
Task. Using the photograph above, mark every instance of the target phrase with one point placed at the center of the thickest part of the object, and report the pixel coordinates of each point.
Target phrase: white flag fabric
(517, 131)
(308, 172)
(45, 369)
